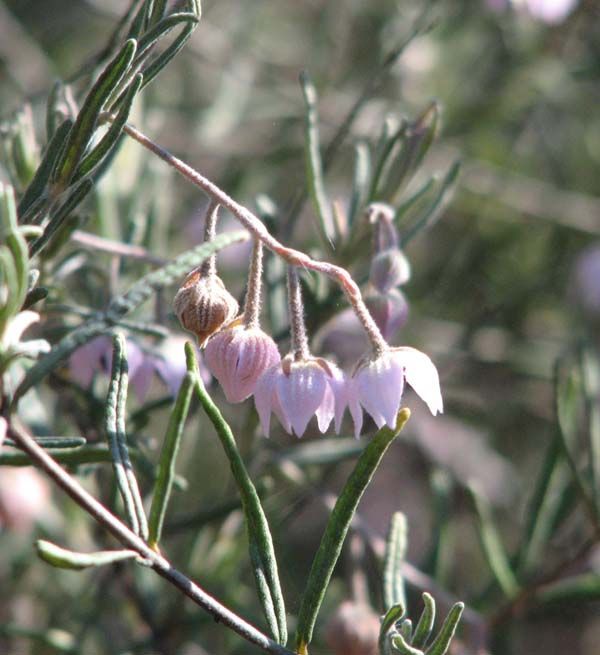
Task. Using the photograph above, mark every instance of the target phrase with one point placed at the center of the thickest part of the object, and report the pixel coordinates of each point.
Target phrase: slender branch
(255, 226)
(121, 532)
(95, 242)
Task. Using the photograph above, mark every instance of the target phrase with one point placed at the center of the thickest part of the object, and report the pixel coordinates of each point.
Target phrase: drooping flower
(168, 362)
(377, 385)
(237, 356)
(296, 390)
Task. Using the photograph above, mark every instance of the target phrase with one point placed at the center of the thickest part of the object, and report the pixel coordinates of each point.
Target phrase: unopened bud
(353, 630)
(203, 305)
(389, 311)
(389, 269)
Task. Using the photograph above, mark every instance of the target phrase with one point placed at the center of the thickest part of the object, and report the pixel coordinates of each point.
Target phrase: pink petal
(264, 396)
(300, 393)
(354, 406)
(422, 375)
(379, 386)
(326, 410)
(142, 377)
(338, 383)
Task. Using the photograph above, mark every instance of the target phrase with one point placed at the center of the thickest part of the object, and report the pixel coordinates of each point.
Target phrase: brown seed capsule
(203, 305)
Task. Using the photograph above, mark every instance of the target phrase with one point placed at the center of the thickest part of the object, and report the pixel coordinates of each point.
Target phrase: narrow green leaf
(442, 642)
(590, 373)
(321, 452)
(9, 278)
(493, 548)
(117, 439)
(392, 133)
(151, 71)
(54, 442)
(435, 209)
(60, 215)
(570, 404)
(360, 182)
(157, 11)
(168, 274)
(337, 528)
(83, 129)
(395, 551)
(541, 512)
(417, 140)
(425, 624)
(406, 205)
(262, 553)
(69, 559)
(391, 617)
(110, 140)
(168, 456)
(314, 165)
(400, 646)
(584, 587)
(16, 244)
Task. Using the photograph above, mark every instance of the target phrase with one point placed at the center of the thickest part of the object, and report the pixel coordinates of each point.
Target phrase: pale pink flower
(169, 363)
(237, 356)
(296, 390)
(377, 385)
(24, 498)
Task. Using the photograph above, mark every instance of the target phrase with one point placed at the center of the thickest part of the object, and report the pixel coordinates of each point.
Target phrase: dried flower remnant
(203, 305)
(378, 383)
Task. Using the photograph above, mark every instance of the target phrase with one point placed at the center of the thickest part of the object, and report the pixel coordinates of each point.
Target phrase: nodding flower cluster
(246, 361)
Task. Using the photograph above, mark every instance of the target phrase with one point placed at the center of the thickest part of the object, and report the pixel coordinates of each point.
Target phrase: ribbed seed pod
(203, 305)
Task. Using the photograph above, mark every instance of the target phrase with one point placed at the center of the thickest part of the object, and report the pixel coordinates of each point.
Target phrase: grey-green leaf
(337, 528)
(69, 559)
(395, 550)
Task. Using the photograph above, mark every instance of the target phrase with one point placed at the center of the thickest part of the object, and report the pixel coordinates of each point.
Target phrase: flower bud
(353, 630)
(237, 357)
(389, 311)
(203, 305)
(389, 269)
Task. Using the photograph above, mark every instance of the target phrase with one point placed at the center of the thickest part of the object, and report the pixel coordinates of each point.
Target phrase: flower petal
(354, 406)
(300, 393)
(379, 385)
(422, 375)
(326, 410)
(264, 397)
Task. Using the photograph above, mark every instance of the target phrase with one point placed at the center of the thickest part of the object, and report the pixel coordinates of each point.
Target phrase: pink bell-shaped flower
(377, 385)
(296, 390)
(237, 356)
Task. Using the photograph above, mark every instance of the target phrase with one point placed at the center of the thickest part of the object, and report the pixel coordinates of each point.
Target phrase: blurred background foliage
(499, 496)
